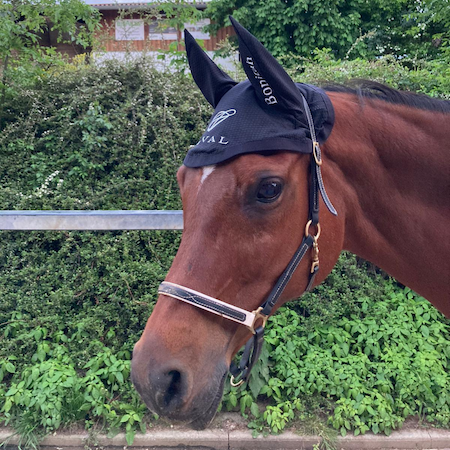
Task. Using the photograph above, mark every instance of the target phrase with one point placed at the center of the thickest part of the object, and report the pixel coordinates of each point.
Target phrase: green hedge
(362, 350)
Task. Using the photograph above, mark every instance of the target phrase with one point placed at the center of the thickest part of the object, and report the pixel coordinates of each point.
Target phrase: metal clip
(316, 153)
(258, 315)
(235, 384)
(315, 250)
(315, 246)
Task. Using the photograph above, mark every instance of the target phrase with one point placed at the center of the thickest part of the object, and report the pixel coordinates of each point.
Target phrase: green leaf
(425, 331)
(11, 391)
(7, 406)
(254, 410)
(256, 383)
(10, 367)
(129, 436)
(243, 404)
(119, 377)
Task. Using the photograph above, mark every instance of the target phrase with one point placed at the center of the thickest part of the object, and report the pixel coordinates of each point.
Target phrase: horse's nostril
(170, 389)
(174, 388)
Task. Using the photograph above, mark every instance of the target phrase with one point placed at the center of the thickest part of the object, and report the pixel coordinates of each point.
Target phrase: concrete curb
(243, 440)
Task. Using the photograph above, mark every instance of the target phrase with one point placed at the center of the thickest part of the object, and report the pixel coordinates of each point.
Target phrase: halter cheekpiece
(277, 100)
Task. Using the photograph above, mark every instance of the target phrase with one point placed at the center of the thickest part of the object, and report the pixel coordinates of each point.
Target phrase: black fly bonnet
(263, 114)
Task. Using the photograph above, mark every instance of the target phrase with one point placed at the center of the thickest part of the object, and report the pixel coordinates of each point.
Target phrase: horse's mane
(372, 89)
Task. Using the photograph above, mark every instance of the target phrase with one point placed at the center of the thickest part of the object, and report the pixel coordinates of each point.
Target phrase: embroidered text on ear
(266, 89)
(207, 139)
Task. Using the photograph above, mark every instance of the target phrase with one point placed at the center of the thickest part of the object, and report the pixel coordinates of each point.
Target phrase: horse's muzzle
(173, 392)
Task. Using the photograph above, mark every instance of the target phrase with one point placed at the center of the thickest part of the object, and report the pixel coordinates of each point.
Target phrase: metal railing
(91, 220)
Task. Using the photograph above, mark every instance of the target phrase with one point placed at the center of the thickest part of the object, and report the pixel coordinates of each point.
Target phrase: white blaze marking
(207, 171)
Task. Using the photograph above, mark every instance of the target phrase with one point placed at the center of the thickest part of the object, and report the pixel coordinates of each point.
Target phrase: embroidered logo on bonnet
(220, 117)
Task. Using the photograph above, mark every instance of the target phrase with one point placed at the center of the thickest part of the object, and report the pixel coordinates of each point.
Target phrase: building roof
(129, 4)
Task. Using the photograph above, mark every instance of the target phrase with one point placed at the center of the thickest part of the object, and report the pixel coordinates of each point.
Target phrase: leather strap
(312, 276)
(253, 346)
(283, 280)
(316, 174)
(249, 357)
(207, 303)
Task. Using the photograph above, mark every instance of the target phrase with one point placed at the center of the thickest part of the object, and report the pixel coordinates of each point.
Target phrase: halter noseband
(256, 320)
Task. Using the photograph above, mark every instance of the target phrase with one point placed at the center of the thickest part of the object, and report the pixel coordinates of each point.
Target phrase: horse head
(249, 206)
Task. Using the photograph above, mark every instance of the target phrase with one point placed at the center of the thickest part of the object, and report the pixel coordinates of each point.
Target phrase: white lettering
(212, 140)
(271, 100)
(265, 87)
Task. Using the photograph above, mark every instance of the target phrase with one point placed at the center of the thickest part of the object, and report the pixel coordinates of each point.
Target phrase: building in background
(62, 42)
(135, 26)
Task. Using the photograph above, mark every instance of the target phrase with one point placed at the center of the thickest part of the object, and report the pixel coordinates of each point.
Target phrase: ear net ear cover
(211, 80)
(273, 86)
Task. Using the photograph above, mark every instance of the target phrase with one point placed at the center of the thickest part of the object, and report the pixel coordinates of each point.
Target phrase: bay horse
(251, 190)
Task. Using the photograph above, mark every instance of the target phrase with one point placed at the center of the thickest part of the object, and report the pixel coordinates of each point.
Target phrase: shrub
(72, 302)
(367, 369)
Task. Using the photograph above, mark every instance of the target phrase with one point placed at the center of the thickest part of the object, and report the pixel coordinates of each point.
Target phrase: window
(158, 32)
(196, 29)
(129, 30)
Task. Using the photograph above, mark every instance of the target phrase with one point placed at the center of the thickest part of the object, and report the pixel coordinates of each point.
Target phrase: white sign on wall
(196, 29)
(158, 32)
(130, 30)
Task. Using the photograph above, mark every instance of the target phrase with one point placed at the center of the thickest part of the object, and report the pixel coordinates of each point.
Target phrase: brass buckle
(316, 156)
(258, 315)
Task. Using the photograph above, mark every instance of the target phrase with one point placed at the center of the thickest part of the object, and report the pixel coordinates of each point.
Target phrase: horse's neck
(390, 166)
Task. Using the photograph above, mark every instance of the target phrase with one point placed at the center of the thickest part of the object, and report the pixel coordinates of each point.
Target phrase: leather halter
(256, 320)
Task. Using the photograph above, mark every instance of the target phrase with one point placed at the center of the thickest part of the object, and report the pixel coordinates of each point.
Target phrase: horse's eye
(269, 190)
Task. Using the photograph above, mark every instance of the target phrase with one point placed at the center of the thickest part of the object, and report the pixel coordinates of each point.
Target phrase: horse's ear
(211, 80)
(272, 84)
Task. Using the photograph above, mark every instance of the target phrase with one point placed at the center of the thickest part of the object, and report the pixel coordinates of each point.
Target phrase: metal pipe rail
(91, 220)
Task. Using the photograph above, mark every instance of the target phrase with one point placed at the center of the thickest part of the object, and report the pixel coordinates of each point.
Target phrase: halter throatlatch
(264, 72)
